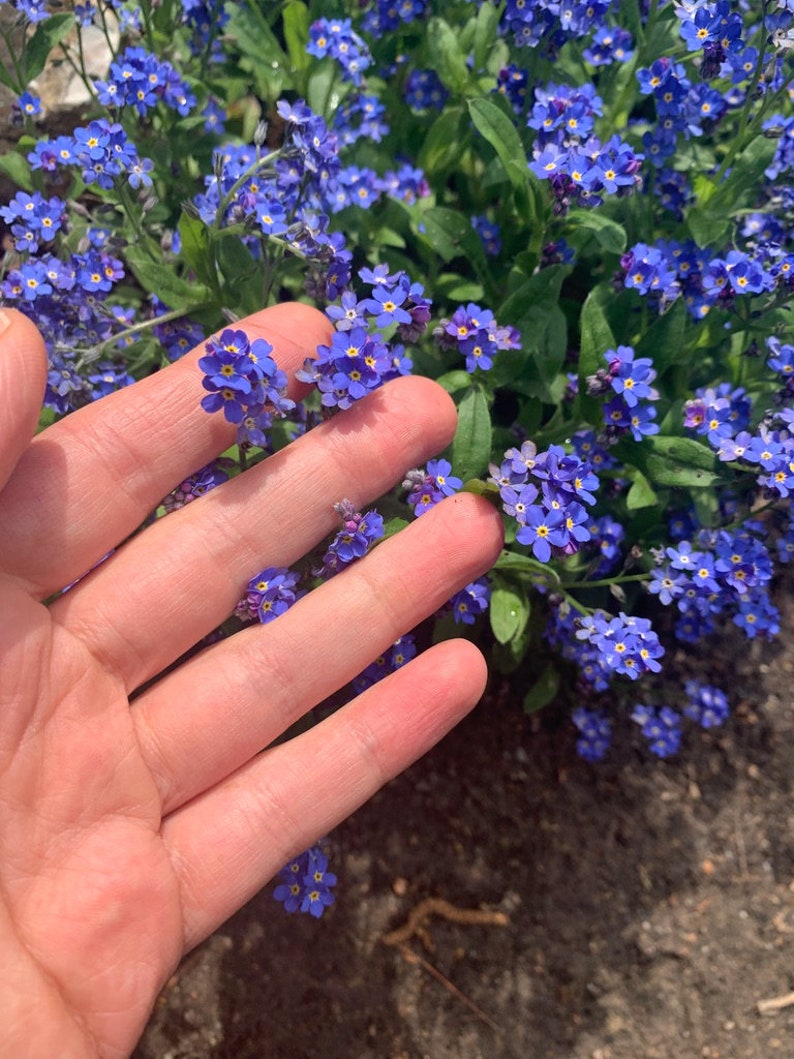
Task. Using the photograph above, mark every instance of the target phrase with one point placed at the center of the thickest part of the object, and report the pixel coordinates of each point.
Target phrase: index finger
(87, 482)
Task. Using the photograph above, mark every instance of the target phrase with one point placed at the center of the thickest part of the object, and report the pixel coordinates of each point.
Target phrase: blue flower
(661, 727)
(595, 733)
(358, 533)
(626, 644)
(542, 530)
(707, 705)
(306, 883)
(471, 601)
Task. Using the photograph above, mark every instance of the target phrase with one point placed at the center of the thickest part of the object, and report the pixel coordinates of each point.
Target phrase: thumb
(23, 376)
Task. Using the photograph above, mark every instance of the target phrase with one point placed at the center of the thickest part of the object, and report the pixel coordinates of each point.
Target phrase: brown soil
(650, 905)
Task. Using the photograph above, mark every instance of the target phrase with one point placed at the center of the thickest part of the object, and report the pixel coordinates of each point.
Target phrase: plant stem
(604, 582)
(96, 352)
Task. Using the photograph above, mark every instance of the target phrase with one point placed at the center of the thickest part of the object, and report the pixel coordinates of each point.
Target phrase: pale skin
(130, 830)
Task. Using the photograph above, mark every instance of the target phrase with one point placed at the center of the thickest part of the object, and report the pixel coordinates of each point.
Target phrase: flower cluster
(243, 381)
(400, 652)
(424, 90)
(358, 533)
(139, 79)
(198, 484)
(723, 415)
(661, 726)
(671, 270)
(472, 600)
(451, 160)
(384, 16)
(428, 487)
(475, 334)
(581, 169)
(595, 733)
(625, 645)
(728, 573)
(337, 38)
(707, 706)
(33, 219)
(100, 152)
(557, 524)
(359, 359)
(270, 592)
(630, 380)
(306, 884)
(547, 24)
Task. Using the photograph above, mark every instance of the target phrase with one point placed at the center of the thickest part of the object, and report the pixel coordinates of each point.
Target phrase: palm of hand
(128, 832)
(87, 880)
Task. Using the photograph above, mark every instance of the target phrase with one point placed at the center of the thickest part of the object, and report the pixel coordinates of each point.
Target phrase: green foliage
(558, 269)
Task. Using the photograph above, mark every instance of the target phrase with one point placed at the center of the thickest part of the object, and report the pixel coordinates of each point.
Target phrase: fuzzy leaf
(509, 611)
(641, 493)
(471, 446)
(543, 691)
(160, 279)
(48, 34)
(446, 55)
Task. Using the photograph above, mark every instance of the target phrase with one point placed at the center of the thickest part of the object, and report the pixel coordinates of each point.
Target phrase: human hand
(129, 832)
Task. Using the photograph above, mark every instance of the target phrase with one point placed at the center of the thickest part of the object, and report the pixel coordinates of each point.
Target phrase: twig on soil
(437, 906)
(775, 1004)
(414, 926)
(411, 957)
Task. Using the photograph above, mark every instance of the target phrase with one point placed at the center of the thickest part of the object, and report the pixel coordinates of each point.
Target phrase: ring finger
(201, 723)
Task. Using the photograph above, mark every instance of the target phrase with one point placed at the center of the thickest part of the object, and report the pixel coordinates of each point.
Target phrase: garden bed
(650, 904)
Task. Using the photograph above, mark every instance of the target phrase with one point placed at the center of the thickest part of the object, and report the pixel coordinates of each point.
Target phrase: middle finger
(179, 579)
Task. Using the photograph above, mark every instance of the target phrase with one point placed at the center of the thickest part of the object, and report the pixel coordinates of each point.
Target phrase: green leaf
(471, 446)
(451, 235)
(592, 228)
(485, 34)
(508, 610)
(596, 338)
(712, 221)
(455, 381)
(641, 493)
(704, 189)
(534, 309)
(296, 33)
(160, 279)
(497, 128)
(478, 487)
(252, 34)
(7, 78)
(195, 247)
(664, 341)
(536, 297)
(264, 57)
(16, 168)
(394, 525)
(243, 276)
(446, 56)
(674, 461)
(596, 334)
(441, 148)
(48, 34)
(321, 90)
(686, 451)
(631, 17)
(528, 566)
(457, 288)
(543, 691)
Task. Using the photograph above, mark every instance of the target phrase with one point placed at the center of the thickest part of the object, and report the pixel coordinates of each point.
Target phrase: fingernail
(5, 320)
